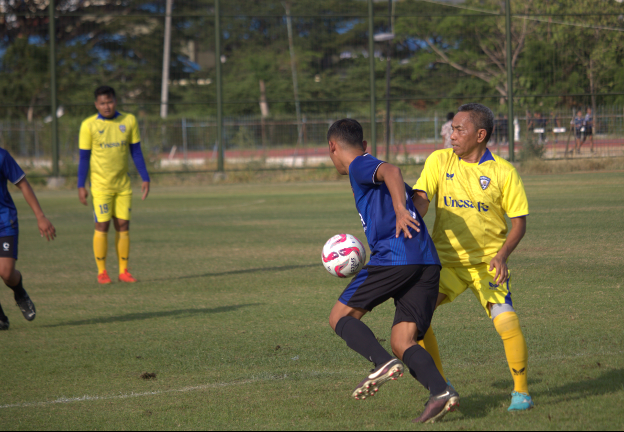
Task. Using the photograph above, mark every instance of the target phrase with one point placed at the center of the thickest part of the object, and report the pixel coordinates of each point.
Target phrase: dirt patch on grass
(148, 376)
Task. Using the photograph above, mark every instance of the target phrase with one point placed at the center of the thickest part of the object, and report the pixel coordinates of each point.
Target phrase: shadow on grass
(479, 405)
(234, 272)
(149, 315)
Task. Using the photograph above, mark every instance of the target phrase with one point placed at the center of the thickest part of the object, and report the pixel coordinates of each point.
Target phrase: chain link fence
(285, 70)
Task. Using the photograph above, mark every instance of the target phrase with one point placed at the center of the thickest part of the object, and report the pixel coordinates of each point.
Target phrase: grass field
(231, 315)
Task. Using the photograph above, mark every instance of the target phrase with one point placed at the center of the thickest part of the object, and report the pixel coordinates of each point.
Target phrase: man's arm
(139, 162)
(392, 177)
(499, 262)
(421, 202)
(46, 229)
(83, 170)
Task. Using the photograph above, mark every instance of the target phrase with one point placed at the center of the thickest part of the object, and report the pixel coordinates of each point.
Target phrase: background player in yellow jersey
(107, 139)
(474, 190)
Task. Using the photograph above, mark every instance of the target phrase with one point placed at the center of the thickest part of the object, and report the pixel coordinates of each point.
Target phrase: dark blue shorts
(414, 289)
(8, 247)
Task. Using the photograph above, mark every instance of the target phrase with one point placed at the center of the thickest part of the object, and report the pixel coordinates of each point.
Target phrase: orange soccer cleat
(103, 278)
(126, 277)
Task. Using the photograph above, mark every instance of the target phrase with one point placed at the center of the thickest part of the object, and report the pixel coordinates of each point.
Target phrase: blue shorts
(8, 247)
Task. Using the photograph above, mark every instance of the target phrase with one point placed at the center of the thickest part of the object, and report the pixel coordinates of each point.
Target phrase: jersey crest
(122, 128)
(485, 182)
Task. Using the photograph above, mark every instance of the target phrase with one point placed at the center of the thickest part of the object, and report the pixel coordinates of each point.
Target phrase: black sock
(362, 340)
(424, 370)
(18, 290)
(2, 315)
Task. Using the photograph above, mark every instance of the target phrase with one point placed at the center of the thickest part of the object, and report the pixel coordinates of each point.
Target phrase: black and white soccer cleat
(390, 371)
(27, 307)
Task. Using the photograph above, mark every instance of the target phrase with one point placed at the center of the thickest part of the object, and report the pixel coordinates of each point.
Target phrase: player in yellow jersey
(107, 139)
(473, 191)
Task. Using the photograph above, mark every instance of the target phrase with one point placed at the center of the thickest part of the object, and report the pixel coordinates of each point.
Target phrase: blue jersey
(374, 203)
(11, 171)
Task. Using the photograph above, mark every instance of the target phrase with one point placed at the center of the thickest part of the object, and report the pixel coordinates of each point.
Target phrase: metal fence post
(510, 110)
(53, 101)
(371, 65)
(219, 86)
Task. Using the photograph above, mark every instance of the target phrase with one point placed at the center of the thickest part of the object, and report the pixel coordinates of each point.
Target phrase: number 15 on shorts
(103, 208)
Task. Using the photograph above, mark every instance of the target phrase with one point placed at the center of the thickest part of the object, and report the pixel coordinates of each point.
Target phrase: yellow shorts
(111, 204)
(455, 280)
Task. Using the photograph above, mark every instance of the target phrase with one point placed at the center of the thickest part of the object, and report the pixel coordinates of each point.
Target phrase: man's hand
(145, 188)
(499, 262)
(502, 272)
(82, 195)
(405, 221)
(46, 229)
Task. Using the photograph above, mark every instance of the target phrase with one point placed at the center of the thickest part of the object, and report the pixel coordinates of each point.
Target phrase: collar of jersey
(117, 114)
(487, 156)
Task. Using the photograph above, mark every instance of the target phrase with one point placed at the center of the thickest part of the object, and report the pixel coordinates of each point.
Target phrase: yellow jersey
(109, 141)
(472, 200)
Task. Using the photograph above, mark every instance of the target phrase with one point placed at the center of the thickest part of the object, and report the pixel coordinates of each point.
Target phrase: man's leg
(122, 244)
(507, 325)
(102, 212)
(121, 218)
(451, 286)
(345, 321)
(496, 299)
(414, 310)
(430, 342)
(100, 249)
(13, 279)
(417, 359)
(4, 320)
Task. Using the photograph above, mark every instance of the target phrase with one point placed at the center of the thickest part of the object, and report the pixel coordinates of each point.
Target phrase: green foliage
(441, 55)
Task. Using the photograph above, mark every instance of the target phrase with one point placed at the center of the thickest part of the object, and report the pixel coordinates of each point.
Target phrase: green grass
(231, 314)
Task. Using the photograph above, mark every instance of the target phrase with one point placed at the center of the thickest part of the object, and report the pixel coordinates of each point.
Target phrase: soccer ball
(343, 255)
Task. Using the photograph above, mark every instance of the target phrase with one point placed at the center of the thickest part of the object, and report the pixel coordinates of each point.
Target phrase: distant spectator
(504, 129)
(498, 134)
(541, 123)
(589, 129)
(447, 130)
(578, 122)
(555, 124)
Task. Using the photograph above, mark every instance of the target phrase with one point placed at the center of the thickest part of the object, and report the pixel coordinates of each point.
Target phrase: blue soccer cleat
(520, 402)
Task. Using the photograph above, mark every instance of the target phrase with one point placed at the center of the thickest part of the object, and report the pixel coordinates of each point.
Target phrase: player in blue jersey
(404, 265)
(9, 231)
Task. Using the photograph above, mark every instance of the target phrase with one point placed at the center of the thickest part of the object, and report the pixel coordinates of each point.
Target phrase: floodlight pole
(510, 110)
(388, 71)
(219, 83)
(53, 101)
(164, 93)
(371, 66)
(293, 69)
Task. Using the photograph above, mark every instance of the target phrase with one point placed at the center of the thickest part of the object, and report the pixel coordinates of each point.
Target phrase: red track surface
(412, 149)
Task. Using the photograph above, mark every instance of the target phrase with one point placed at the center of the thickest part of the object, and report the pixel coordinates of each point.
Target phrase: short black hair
(105, 90)
(450, 116)
(482, 117)
(347, 131)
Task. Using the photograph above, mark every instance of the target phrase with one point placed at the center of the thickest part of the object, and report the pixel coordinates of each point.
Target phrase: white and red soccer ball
(343, 255)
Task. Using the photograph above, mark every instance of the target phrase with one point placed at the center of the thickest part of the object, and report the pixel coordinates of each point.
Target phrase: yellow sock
(122, 242)
(100, 248)
(430, 343)
(508, 327)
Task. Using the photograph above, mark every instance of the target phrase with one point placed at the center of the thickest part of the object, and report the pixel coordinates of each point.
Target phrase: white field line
(64, 400)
